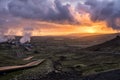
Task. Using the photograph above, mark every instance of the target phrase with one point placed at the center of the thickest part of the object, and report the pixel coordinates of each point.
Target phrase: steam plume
(27, 32)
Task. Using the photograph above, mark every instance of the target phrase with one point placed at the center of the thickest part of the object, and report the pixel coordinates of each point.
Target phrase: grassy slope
(48, 47)
(6, 60)
(91, 62)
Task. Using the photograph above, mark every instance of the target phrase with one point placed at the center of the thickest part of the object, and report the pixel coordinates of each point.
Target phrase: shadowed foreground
(110, 75)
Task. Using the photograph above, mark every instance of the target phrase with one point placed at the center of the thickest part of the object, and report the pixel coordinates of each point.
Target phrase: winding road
(28, 65)
(28, 58)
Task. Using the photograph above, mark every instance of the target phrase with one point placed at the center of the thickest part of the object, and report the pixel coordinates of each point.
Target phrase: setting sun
(91, 31)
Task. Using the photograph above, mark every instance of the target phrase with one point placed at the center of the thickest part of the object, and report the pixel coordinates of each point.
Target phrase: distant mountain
(112, 45)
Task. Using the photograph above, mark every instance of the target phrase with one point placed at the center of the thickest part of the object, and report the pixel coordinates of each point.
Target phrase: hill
(112, 45)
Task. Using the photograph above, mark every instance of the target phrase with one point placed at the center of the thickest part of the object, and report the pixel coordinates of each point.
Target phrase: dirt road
(31, 64)
(28, 58)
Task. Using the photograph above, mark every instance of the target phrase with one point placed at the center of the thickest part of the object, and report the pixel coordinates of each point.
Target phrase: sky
(59, 17)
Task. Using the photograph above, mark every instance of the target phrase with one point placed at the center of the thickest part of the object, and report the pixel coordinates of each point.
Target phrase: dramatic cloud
(46, 10)
(107, 10)
(82, 13)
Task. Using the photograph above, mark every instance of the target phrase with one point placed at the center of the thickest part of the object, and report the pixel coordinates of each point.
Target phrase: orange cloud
(49, 28)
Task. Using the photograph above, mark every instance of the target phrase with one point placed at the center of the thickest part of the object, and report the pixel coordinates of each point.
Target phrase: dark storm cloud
(46, 10)
(7, 22)
(81, 8)
(107, 10)
(59, 10)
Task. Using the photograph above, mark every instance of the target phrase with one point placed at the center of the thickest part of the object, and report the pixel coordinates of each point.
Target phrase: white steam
(27, 32)
(5, 38)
